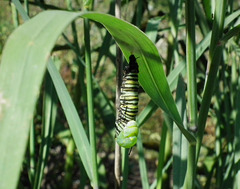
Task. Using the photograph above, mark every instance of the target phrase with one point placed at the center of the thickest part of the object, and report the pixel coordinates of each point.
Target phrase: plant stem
(32, 151)
(191, 89)
(15, 15)
(215, 55)
(139, 13)
(119, 67)
(26, 6)
(125, 159)
(180, 144)
(191, 64)
(175, 14)
(191, 172)
(69, 164)
(90, 102)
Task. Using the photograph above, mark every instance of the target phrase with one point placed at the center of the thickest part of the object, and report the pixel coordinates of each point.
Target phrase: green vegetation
(57, 130)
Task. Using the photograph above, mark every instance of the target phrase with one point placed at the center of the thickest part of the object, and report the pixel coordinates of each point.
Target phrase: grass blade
(161, 153)
(91, 119)
(75, 124)
(180, 145)
(215, 57)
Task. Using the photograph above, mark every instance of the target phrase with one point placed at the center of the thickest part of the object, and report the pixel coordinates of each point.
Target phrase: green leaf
(208, 7)
(74, 122)
(151, 74)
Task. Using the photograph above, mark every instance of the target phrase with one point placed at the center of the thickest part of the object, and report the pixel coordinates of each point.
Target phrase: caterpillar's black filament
(128, 108)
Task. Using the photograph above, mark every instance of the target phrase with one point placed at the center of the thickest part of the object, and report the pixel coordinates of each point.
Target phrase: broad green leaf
(151, 74)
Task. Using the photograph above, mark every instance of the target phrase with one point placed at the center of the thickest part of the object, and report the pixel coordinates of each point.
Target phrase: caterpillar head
(133, 65)
(128, 136)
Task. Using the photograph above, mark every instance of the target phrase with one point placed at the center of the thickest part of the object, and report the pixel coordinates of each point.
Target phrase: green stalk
(139, 13)
(20, 9)
(218, 149)
(125, 162)
(15, 15)
(26, 6)
(237, 138)
(90, 102)
(117, 160)
(69, 164)
(191, 172)
(32, 163)
(191, 89)
(191, 64)
(179, 142)
(214, 61)
(119, 74)
(218, 26)
(175, 14)
(80, 89)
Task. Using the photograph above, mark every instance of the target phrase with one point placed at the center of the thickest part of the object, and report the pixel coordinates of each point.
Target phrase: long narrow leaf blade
(74, 122)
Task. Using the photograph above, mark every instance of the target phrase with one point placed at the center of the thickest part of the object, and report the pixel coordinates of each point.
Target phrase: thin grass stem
(215, 55)
(125, 162)
(91, 119)
(119, 74)
(32, 162)
(15, 17)
(191, 63)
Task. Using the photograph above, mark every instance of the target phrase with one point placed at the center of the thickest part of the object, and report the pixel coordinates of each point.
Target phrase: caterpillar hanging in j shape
(126, 126)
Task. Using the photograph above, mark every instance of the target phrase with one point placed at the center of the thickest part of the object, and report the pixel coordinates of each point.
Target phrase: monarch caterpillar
(126, 126)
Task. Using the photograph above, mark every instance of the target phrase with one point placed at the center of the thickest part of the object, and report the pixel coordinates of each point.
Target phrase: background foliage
(54, 142)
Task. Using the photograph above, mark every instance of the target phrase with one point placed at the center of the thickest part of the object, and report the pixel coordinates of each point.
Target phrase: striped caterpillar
(126, 126)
